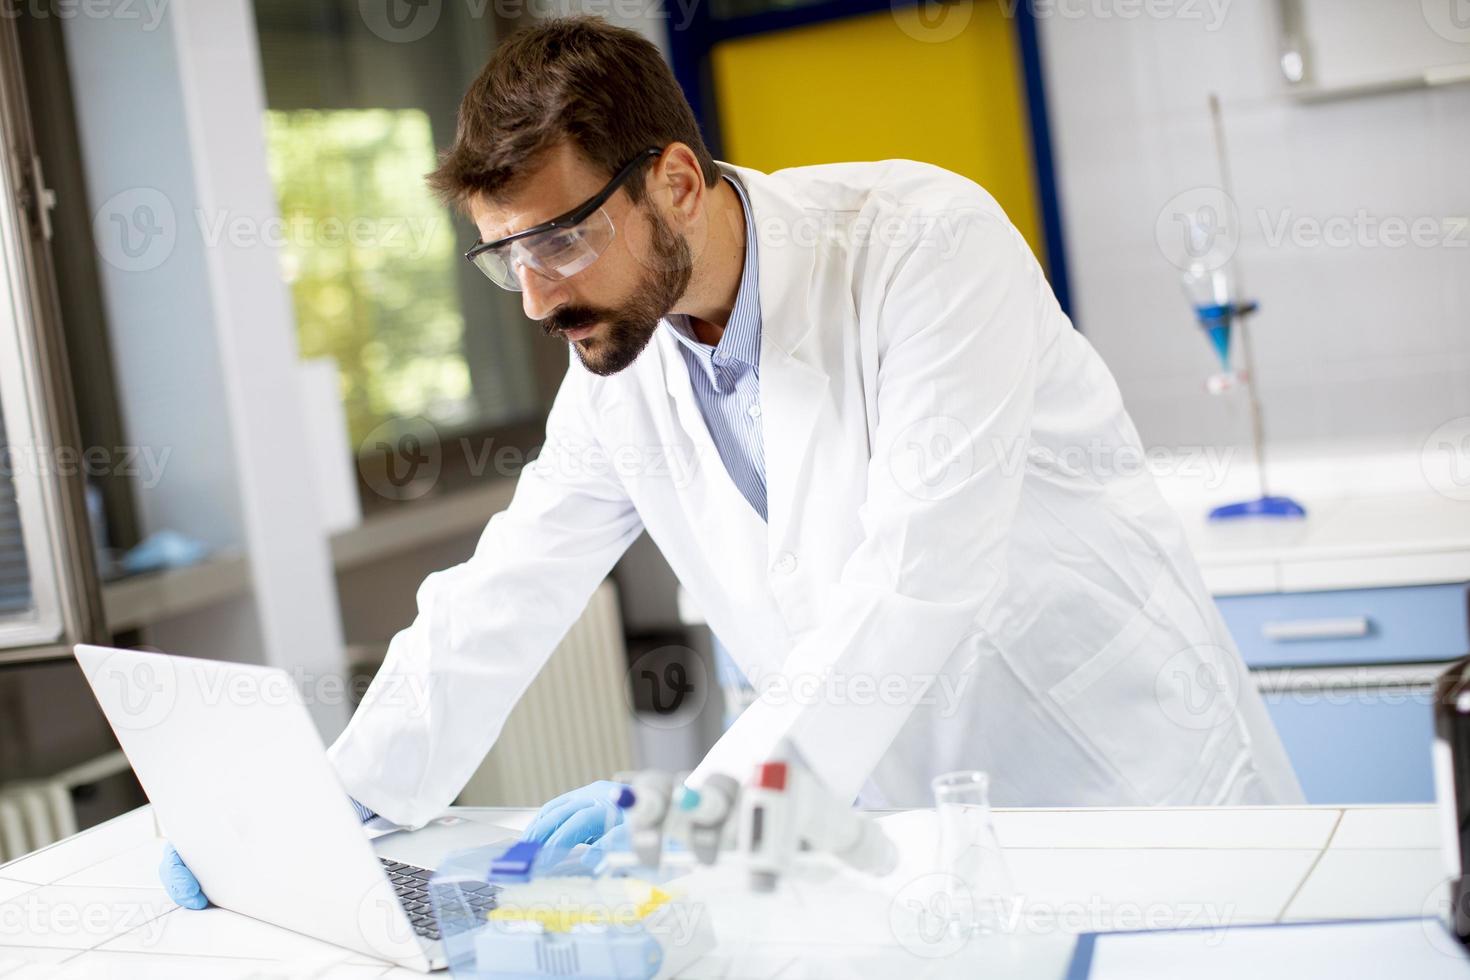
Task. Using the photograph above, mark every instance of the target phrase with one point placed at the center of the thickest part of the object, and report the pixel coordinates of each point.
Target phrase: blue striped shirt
(726, 377)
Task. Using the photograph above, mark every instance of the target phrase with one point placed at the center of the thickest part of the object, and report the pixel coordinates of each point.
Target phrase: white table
(91, 906)
(1374, 520)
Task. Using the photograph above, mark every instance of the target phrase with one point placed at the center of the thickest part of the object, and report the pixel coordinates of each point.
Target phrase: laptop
(240, 783)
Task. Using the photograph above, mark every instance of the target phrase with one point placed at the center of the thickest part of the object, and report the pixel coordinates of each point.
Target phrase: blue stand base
(1260, 507)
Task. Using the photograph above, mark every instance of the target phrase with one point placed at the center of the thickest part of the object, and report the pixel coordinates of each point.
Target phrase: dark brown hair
(605, 88)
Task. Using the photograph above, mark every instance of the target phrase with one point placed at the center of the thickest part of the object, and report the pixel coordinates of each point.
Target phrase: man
(915, 514)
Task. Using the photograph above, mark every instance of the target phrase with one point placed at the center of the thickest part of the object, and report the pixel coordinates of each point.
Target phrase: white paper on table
(1419, 948)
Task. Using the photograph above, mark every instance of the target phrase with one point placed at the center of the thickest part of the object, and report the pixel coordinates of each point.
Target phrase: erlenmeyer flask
(981, 890)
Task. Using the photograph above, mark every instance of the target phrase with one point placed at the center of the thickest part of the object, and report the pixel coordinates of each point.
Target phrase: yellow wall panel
(883, 85)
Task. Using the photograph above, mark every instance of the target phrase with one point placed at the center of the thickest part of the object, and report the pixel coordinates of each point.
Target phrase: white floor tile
(1205, 827)
(107, 840)
(9, 889)
(20, 961)
(204, 932)
(1365, 884)
(136, 867)
(1133, 889)
(1388, 827)
(986, 957)
(357, 971)
(80, 918)
(102, 965)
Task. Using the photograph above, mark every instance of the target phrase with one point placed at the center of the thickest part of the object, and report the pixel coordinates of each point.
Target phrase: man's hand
(179, 881)
(582, 816)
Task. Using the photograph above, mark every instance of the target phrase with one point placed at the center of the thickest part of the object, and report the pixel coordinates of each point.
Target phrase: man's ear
(678, 184)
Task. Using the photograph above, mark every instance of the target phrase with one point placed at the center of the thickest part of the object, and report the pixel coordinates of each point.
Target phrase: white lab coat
(966, 565)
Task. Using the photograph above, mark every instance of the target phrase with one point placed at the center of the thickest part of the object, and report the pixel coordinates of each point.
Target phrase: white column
(290, 558)
(203, 330)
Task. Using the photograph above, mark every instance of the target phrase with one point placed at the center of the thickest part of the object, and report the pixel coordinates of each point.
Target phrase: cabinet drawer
(1359, 735)
(1357, 626)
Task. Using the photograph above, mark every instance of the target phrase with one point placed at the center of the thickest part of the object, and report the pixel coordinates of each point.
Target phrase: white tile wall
(1353, 343)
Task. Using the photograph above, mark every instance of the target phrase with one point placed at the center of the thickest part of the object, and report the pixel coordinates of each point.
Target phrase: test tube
(969, 855)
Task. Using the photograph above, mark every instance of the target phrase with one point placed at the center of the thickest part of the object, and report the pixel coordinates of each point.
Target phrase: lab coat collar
(793, 385)
(787, 258)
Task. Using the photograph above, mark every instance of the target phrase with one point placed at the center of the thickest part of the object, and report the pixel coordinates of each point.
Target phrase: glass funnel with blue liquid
(1221, 314)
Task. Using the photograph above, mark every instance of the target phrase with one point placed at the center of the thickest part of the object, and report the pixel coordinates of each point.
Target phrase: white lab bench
(92, 907)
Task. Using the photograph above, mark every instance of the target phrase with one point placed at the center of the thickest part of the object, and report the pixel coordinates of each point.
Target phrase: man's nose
(539, 295)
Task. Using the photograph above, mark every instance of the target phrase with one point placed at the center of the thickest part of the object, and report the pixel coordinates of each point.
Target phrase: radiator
(573, 724)
(37, 812)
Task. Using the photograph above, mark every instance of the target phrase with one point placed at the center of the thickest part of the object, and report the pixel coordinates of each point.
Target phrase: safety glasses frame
(574, 217)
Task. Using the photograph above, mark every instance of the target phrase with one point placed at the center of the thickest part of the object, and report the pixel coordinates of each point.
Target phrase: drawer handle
(1294, 630)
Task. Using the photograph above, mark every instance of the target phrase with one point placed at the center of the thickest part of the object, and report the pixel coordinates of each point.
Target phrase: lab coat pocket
(1158, 701)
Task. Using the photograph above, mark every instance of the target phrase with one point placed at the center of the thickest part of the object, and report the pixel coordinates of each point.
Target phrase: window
(15, 574)
(48, 589)
(356, 115)
(376, 291)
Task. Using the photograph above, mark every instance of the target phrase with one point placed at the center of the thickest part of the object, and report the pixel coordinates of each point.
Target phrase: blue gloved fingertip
(179, 882)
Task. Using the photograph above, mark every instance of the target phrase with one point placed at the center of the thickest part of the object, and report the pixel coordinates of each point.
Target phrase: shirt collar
(741, 340)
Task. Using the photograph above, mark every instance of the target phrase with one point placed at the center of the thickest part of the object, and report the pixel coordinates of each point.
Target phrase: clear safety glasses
(558, 248)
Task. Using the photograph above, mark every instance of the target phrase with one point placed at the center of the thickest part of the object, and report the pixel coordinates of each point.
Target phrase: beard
(629, 327)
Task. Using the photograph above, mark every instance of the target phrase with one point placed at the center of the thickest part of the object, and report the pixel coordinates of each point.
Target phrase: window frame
(36, 393)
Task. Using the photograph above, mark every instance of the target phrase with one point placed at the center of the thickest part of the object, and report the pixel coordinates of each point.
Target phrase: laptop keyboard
(412, 887)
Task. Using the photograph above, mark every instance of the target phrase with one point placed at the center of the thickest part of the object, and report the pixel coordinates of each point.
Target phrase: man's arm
(485, 628)
(954, 403)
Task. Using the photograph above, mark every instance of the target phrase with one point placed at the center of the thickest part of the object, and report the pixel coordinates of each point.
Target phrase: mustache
(572, 317)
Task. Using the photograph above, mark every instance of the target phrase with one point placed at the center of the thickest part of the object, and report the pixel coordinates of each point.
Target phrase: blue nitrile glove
(614, 840)
(179, 881)
(181, 885)
(581, 816)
